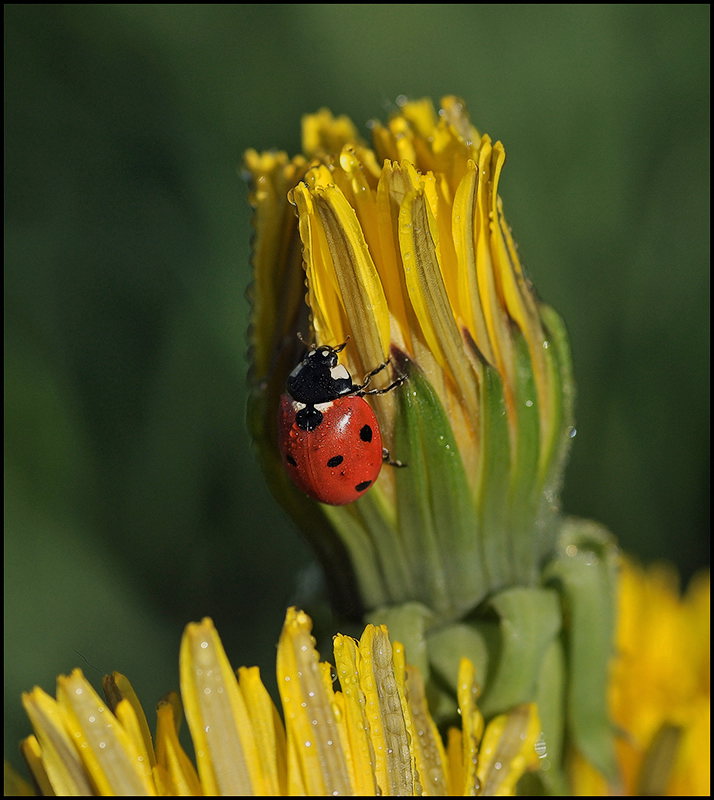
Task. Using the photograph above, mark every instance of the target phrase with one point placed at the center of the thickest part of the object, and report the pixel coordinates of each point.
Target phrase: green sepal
(507, 646)
(555, 445)
(523, 494)
(528, 621)
(550, 700)
(494, 469)
(585, 573)
(446, 647)
(435, 508)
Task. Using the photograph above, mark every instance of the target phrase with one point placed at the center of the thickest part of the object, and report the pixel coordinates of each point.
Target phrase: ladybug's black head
(319, 378)
(321, 357)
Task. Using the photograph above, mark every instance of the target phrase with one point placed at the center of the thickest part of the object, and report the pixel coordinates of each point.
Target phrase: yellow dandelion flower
(361, 727)
(659, 692)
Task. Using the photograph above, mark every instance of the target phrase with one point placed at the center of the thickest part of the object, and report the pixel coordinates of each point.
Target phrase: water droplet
(529, 404)
(498, 765)
(102, 745)
(572, 432)
(546, 344)
(203, 645)
(308, 743)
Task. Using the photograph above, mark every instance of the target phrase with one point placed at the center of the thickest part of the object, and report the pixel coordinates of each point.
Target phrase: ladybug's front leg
(360, 389)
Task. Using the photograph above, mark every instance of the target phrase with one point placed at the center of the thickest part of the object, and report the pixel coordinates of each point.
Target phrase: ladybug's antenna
(302, 339)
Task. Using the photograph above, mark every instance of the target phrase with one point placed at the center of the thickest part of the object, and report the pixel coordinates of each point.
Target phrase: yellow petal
(353, 715)
(418, 243)
(384, 701)
(16, 786)
(316, 763)
(59, 756)
(278, 293)
(323, 133)
(117, 688)
(107, 750)
(472, 726)
(427, 745)
(268, 729)
(507, 750)
(177, 773)
(336, 241)
(216, 712)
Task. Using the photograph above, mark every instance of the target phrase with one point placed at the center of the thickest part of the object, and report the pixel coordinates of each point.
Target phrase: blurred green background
(133, 499)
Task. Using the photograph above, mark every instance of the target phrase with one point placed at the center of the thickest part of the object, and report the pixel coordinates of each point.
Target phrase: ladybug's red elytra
(330, 440)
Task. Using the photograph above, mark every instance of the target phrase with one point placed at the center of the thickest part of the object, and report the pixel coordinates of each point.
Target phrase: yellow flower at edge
(659, 692)
(361, 727)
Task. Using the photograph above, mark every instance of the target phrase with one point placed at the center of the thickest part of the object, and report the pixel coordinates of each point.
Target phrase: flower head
(404, 250)
(362, 727)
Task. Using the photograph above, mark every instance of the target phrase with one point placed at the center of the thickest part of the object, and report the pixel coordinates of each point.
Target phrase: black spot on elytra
(291, 460)
(365, 433)
(362, 486)
(335, 461)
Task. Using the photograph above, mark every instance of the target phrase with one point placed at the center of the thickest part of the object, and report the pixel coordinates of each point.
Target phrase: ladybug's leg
(388, 459)
(341, 346)
(359, 390)
(393, 385)
(368, 377)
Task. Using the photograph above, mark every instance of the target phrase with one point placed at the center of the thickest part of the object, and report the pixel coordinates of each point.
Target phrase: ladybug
(330, 440)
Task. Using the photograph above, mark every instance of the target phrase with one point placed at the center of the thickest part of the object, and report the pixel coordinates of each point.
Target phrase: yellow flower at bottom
(659, 693)
(371, 733)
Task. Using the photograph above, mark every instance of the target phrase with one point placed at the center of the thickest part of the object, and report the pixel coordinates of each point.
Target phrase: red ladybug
(330, 440)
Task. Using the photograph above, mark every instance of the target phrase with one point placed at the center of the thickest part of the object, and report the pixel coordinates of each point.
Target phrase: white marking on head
(339, 372)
